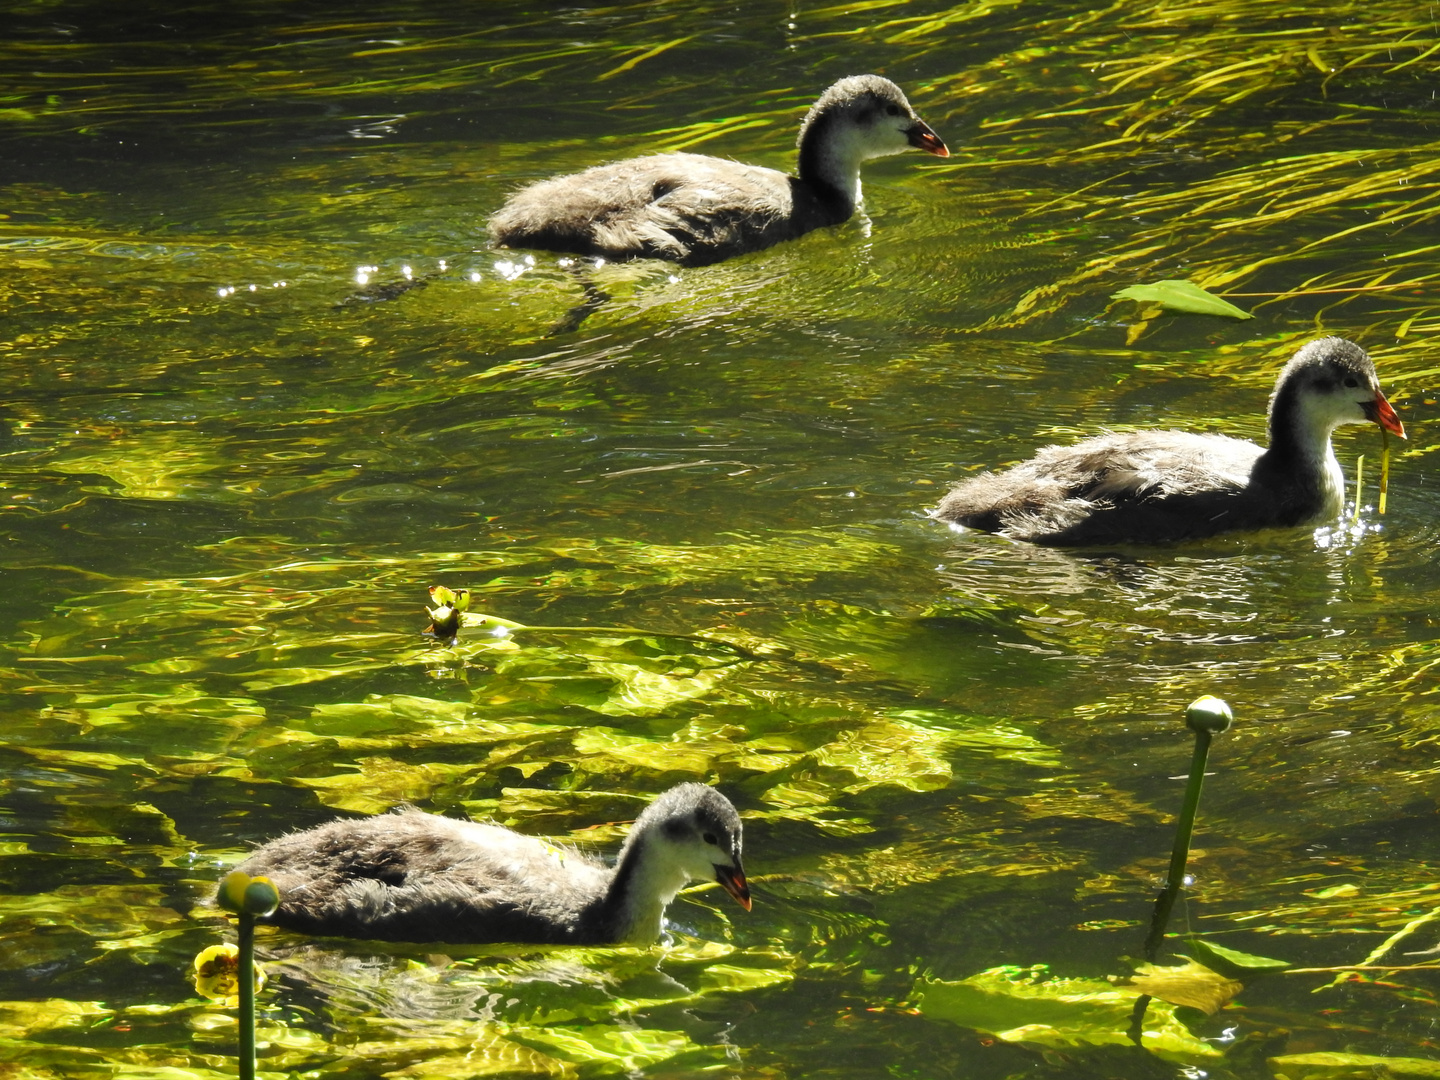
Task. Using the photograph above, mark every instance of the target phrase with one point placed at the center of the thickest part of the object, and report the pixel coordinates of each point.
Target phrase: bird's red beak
(732, 879)
(922, 137)
(1380, 411)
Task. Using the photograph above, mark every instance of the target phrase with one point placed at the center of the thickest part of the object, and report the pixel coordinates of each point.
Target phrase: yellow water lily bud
(261, 897)
(243, 895)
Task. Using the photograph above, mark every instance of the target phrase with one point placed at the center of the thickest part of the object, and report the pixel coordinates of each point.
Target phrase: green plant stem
(246, 943)
(1342, 968)
(1175, 879)
(1322, 292)
(1384, 470)
(1359, 484)
(1184, 828)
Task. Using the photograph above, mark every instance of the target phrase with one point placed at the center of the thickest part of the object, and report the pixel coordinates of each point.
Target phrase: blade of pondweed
(1384, 468)
(1359, 485)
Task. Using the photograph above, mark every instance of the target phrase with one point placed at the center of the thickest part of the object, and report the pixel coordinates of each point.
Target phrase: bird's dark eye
(1352, 382)
(892, 110)
(709, 838)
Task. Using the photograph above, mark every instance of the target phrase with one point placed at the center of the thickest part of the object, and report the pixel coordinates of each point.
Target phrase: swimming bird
(1150, 486)
(413, 876)
(695, 209)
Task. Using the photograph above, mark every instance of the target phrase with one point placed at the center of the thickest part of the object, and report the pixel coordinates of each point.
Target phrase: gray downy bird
(1151, 486)
(695, 209)
(413, 876)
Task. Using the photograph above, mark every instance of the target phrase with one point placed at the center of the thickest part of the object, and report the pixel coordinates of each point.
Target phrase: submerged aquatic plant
(926, 742)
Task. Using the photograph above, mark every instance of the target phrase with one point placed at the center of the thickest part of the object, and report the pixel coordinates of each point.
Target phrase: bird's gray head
(695, 828)
(866, 116)
(1329, 382)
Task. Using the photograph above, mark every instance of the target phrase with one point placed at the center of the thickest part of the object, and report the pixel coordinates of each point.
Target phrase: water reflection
(1268, 587)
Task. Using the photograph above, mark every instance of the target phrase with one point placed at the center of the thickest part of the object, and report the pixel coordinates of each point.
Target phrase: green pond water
(235, 452)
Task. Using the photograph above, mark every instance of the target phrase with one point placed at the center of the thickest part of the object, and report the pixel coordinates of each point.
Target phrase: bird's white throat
(653, 882)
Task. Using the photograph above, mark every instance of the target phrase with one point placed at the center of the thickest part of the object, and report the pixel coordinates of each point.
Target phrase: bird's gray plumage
(1153, 486)
(413, 876)
(695, 209)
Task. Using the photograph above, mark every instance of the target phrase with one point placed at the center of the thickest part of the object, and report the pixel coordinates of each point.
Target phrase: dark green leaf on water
(1340, 1066)
(1026, 1006)
(1232, 963)
(1182, 296)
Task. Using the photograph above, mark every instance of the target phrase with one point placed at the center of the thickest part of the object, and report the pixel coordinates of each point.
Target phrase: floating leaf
(1026, 1006)
(1182, 296)
(1232, 963)
(1189, 984)
(1334, 1066)
(1335, 892)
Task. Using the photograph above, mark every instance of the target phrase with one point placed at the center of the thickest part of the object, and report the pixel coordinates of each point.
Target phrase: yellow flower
(217, 973)
(445, 616)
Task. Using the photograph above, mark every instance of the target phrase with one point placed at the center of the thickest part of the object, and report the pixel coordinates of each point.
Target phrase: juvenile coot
(412, 876)
(1153, 486)
(695, 209)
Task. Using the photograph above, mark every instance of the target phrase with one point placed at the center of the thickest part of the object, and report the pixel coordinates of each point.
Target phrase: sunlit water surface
(237, 449)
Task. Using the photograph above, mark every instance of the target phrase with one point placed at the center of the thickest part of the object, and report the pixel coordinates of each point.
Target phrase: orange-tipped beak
(1381, 412)
(732, 878)
(922, 137)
